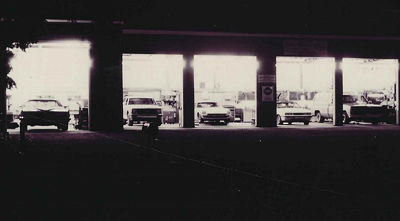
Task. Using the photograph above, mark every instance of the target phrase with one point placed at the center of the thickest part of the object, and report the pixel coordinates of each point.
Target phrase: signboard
(267, 93)
(305, 47)
(266, 78)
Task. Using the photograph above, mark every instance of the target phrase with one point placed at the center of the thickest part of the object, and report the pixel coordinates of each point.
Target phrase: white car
(288, 111)
(141, 109)
(212, 111)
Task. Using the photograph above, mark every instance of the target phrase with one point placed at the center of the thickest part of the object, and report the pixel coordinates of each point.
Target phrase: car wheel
(346, 119)
(290, 123)
(306, 122)
(279, 120)
(320, 118)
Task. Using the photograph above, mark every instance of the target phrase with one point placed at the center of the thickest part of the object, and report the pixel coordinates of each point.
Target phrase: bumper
(296, 118)
(216, 117)
(368, 118)
(49, 122)
(147, 118)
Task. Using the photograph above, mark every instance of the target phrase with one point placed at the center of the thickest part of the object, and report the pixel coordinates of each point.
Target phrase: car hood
(214, 110)
(144, 106)
(355, 104)
(293, 110)
(43, 109)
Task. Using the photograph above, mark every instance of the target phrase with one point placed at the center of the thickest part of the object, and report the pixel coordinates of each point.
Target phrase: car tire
(306, 122)
(279, 120)
(320, 118)
(290, 123)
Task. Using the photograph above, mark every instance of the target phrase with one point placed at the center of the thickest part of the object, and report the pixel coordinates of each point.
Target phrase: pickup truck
(355, 108)
(141, 109)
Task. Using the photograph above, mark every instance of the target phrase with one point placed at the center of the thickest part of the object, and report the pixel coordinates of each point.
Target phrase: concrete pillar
(266, 92)
(105, 83)
(397, 90)
(338, 93)
(188, 91)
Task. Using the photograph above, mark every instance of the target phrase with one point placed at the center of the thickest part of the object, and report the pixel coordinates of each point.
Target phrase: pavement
(211, 172)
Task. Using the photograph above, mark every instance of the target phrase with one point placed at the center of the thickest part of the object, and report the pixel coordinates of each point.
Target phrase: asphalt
(211, 172)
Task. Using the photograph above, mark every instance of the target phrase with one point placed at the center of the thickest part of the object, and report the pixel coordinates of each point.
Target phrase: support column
(105, 83)
(338, 93)
(266, 92)
(188, 91)
(397, 96)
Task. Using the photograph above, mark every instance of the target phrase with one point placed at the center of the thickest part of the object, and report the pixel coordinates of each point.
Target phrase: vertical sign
(267, 93)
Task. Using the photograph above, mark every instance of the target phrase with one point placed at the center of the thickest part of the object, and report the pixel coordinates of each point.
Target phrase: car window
(43, 103)
(207, 104)
(349, 98)
(288, 105)
(148, 101)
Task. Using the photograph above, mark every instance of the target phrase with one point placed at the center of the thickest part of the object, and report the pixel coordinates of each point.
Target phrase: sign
(305, 47)
(263, 78)
(267, 93)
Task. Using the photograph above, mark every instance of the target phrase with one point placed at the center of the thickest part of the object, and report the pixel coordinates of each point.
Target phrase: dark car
(44, 112)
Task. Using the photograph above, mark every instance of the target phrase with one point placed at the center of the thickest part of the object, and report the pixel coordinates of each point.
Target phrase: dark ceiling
(341, 17)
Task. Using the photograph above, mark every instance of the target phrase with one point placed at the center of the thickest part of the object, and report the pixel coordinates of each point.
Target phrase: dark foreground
(285, 173)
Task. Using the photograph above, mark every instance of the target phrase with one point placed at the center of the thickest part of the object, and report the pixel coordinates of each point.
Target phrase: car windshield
(149, 101)
(288, 105)
(349, 98)
(43, 103)
(208, 104)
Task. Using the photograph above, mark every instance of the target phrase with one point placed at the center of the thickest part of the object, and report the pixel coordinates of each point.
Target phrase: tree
(16, 32)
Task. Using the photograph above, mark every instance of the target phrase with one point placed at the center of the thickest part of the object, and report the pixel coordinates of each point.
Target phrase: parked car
(355, 108)
(212, 111)
(232, 107)
(245, 109)
(289, 111)
(141, 109)
(44, 112)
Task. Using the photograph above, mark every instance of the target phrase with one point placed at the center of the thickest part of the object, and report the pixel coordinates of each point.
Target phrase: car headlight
(204, 113)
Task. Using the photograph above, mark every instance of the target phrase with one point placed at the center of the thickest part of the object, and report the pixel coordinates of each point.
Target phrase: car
(44, 112)
(212, 111)
(245, 109)
(355, 108)
(232, 107)
(141, 109)
(289, 111)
